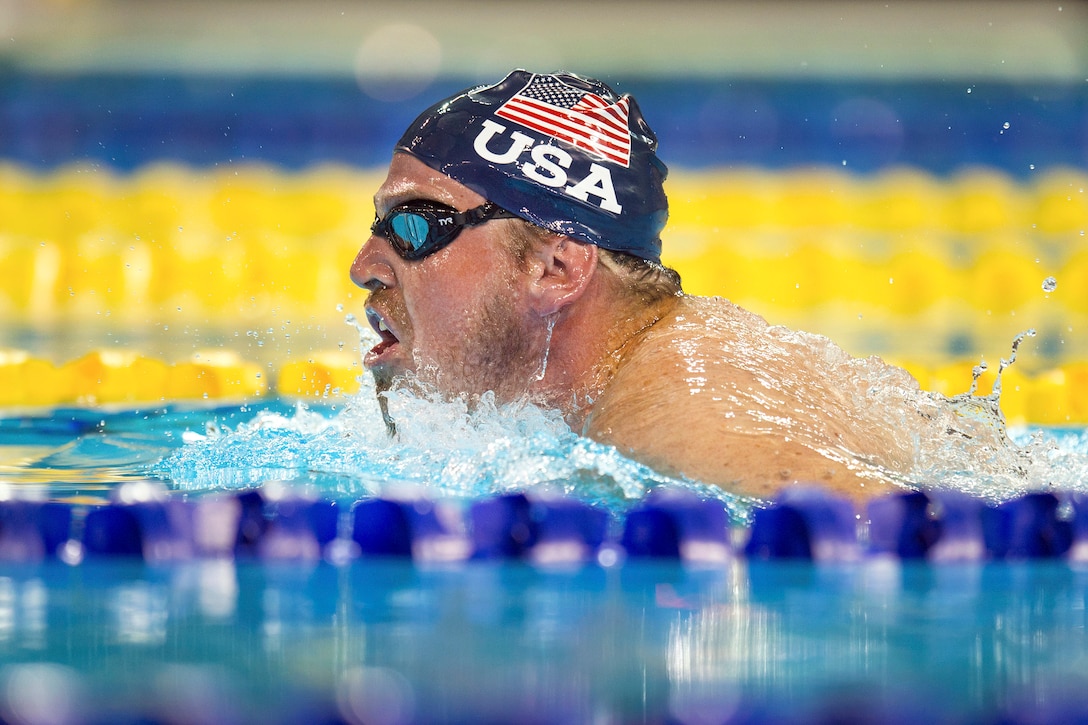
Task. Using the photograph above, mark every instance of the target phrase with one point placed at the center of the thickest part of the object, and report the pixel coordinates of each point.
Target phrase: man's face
(458, 318)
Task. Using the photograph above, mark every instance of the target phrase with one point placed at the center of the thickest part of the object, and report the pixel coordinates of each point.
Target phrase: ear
(562, 269)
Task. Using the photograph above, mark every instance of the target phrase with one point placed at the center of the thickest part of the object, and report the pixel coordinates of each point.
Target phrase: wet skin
(752, 407)
(456, 318)
(691, 386)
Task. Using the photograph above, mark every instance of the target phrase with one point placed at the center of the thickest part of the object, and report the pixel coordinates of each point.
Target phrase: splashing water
(442, 449)
(982, 457)
(449, 449)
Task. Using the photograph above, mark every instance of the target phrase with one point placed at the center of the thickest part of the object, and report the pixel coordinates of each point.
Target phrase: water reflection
(245, 642)
(139, 613)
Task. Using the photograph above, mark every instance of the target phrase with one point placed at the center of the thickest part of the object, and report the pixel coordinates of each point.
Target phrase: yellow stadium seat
(917, 278)
(115, 376)
(816, 198)
(1076, 376)
(1073, 282)
(215, 374)
(901, 200)
(1004, 279)
(981, 201)
(1048, 403)
(321, 375)
(1061, 203)
(30, 381)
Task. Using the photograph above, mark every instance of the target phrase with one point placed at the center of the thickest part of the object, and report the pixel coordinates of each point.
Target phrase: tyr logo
(548, 165)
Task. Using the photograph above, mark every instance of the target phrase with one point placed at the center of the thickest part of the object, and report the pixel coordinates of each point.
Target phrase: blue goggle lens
(411, 227)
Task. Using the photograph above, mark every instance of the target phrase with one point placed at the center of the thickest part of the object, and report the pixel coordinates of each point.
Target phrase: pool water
(347, 639)
(216, 641)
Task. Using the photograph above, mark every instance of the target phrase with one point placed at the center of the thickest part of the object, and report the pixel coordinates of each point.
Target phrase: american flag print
(582, 119)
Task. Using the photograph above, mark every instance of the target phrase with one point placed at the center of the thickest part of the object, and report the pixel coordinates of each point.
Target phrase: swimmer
(517, 251)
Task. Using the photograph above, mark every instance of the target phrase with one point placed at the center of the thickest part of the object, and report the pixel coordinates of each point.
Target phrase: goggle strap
(485, 212)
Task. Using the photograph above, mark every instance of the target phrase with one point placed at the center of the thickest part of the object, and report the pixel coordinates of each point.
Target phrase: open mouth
(388, 339)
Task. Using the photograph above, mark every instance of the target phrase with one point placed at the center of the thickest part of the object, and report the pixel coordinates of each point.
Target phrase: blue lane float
(678, 526)
(1030, 527)
(514, 526)
(936, 526)
(383, 528)
(31, 530)
(805, 523)
(286, 526)
(276, 523)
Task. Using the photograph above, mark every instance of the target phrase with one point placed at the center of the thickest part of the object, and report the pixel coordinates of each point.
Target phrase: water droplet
(1050, 284)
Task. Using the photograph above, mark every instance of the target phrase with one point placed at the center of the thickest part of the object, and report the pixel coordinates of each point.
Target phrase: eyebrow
(404, 192)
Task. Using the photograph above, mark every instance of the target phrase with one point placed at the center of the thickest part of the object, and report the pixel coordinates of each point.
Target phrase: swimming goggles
(420, 228)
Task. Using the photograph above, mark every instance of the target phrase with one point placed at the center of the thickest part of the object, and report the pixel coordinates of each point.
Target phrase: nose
(371, 268)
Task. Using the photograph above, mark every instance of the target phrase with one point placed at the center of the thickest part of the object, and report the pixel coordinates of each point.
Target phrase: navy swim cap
(561, 151)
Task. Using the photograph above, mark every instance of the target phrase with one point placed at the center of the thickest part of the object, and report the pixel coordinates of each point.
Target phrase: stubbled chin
(383, 381)
(383, 377)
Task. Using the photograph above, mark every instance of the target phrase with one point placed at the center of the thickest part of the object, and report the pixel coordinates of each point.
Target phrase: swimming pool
(270, 619)
(390, 642)
(175, 310)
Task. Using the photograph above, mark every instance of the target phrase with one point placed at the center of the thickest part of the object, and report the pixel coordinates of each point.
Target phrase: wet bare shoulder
(684, 401)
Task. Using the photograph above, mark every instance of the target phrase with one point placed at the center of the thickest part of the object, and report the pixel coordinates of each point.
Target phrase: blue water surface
(388, 641)
(246, 641)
